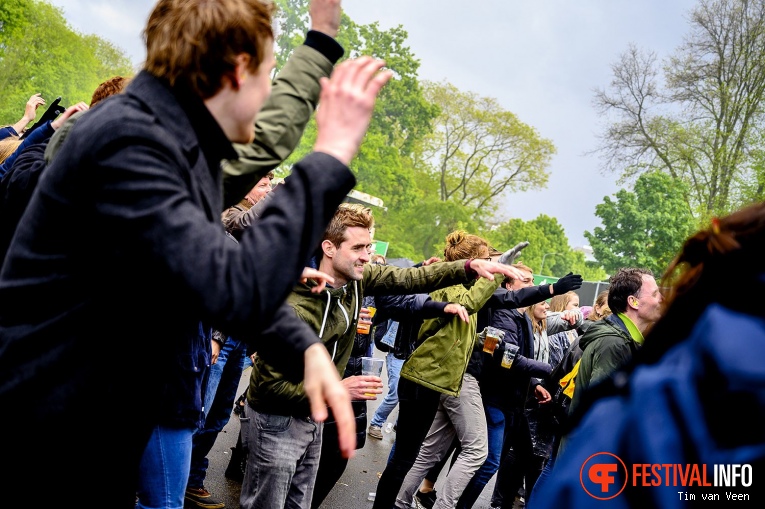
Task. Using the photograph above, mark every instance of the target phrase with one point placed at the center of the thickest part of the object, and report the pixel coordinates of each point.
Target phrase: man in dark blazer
(120, 252)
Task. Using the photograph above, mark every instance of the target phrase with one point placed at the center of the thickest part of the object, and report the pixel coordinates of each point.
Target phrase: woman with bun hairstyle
(434, 373)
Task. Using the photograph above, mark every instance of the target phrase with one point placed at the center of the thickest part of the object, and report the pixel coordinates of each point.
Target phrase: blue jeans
(495, 427)
(391, 399)
(282, 460)
(219, 397)
(164, 468)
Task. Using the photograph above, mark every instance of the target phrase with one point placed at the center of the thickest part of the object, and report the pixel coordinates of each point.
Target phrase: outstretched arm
(294, 96)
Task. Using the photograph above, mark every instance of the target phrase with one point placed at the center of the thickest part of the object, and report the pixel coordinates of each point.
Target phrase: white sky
(541, 59)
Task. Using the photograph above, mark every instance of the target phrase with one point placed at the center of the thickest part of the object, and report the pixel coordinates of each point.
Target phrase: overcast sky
(541, 59)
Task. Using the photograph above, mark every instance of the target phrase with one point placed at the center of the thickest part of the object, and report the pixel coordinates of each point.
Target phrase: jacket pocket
(448, 353)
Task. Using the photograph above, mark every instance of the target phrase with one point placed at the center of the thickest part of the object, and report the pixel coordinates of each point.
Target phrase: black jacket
(409, 311)
(504, 299)
(121, 253)
(509, 388)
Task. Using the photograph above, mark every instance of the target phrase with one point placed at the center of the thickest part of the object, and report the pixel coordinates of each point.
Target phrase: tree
(402, 115)
(419, 232)
(39, 52)
(704, 125)
(645, 228)
(548, 241)
(478, 151)
(427, 196)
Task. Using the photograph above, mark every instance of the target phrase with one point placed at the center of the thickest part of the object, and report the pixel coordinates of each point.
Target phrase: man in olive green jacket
(283, 443)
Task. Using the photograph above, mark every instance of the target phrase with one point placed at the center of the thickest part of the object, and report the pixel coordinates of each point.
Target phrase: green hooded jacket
(334, 315)
(440, 360)
(606, 346)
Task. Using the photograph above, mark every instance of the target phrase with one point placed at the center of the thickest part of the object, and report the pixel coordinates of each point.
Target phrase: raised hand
(457, 309)
(567, 283)
(325, 16)
(487, 269)
(320, 277)
(30, 110)
(509, 256)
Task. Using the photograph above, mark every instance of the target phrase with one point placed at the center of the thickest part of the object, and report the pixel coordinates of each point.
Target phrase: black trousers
(332, 464)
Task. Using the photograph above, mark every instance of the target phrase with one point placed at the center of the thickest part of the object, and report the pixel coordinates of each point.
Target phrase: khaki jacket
(334, 315)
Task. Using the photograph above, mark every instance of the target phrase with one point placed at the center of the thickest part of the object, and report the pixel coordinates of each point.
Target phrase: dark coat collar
(196, 128)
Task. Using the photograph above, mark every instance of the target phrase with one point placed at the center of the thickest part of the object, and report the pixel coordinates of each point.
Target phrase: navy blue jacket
(504, 299)
(702, 403)
(7, 132)
(509, 388)
(40, 135)
(409, 311)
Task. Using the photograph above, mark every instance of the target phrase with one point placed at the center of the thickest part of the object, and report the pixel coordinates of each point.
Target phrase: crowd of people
(148, 259)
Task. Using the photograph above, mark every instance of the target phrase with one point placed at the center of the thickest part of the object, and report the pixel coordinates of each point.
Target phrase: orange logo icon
(606, 475)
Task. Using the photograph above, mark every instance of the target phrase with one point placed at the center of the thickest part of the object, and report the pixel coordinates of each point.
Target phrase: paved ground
(352, 490)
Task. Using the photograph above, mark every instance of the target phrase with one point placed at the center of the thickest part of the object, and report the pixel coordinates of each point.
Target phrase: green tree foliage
(401, 117)
(478, 151)
(699, 117)
(644, 228)
(547, 240)
(431, 182)
(420, 230)
(39, 52)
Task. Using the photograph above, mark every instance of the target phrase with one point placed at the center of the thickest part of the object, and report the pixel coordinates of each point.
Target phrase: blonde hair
(348, 215)
(537, 325)
(600, 301)
(559, 302)
(8, 146)
(461, 245)
(195, 43)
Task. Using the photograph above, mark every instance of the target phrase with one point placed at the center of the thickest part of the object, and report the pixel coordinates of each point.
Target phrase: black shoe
(425, 500)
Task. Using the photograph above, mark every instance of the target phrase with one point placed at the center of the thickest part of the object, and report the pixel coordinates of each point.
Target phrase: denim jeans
(495, 428)
(282, 460)
(164, 467)
(219, 397)
(391, 399)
